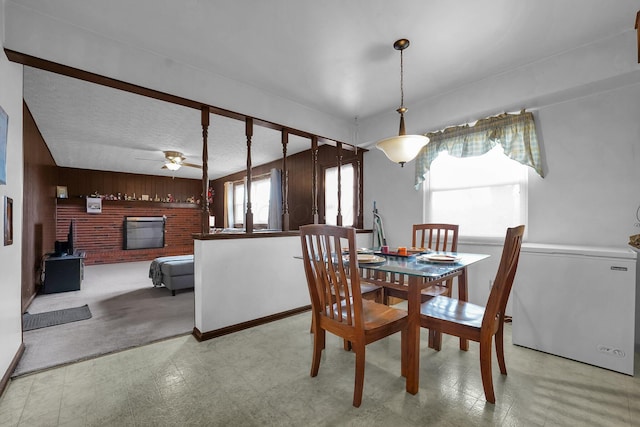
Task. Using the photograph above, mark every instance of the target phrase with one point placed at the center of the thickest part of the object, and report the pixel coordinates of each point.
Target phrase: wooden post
(638, 33)
(314, 178)
(248, 223)
(285, 182)
(339, 216)
(205, 170)
(356, 191)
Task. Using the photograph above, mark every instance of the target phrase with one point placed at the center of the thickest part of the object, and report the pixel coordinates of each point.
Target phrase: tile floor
(260, 377)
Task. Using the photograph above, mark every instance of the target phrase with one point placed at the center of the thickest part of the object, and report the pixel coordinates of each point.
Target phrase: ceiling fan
(175, 160)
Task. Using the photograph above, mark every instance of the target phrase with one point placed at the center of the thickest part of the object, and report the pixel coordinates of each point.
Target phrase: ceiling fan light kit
(172, 166)
(402, 148)
(174, 156)
(175, 160)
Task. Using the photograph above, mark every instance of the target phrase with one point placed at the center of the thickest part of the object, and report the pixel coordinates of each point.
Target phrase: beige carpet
(127, 311)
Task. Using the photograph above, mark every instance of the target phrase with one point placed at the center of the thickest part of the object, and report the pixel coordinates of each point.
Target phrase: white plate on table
(359, 251)
(439, 258)
(370, 259)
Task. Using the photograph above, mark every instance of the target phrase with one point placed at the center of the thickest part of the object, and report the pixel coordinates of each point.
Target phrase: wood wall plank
(38, 215)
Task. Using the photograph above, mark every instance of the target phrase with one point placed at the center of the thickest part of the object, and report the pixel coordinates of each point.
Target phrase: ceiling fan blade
(191, 165)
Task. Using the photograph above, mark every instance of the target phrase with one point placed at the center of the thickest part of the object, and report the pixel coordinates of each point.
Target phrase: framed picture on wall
(61, 192)
(4, 131)
(94, 205)
(8, 221)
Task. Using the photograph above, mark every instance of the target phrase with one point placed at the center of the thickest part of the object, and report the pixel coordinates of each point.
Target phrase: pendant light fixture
(402, 148)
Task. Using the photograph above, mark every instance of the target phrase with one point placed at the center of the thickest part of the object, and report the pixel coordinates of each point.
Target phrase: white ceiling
(332, 56)
(90, 126)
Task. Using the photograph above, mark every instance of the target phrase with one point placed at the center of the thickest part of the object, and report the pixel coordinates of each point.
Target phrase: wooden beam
(65, 70)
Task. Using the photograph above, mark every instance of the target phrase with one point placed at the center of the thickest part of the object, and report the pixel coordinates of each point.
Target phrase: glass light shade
(172, 166)
(402, 148)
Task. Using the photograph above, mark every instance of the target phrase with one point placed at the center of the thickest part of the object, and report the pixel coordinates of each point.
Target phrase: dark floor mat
(56, 317)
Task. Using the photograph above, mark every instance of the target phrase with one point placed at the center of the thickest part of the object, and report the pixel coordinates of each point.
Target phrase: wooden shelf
(137, 203)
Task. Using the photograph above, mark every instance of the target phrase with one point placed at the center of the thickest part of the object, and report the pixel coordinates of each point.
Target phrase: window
(484, 195)
(260, 193)
(347, 202)
(238, 204)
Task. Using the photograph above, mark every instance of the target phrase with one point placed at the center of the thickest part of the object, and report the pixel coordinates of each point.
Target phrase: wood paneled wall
(300, 167)
(83, 182)
(39, 214)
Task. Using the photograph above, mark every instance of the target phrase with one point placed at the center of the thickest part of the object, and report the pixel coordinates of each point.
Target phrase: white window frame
(256, 207)
(468, 215)
(348, 196)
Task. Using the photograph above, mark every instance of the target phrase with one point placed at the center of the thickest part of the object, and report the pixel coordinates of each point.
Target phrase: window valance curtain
(516, 133)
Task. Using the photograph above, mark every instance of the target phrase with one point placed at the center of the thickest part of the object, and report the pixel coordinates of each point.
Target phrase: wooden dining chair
(476, 323)
(350, 317)
(436, 237)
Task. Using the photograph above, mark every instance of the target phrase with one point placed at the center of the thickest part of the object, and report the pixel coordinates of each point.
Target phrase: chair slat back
(503, 282)
(437, 237)
(334, 288)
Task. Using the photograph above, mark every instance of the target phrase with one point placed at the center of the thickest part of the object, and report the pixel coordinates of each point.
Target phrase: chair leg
(385, 297)
(500, 349)
(485, 369)
(379, 296)
(449, 286)
(318, 345)
(435, 339)
(359, 349)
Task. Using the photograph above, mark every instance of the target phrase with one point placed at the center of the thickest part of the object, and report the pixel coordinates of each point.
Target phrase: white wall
(398, 203)
(590, 133)
(10, 256)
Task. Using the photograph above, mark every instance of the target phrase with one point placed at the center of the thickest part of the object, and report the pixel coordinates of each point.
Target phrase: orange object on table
(402, 250)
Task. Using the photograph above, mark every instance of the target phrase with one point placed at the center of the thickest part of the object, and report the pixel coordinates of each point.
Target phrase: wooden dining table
(420, 274)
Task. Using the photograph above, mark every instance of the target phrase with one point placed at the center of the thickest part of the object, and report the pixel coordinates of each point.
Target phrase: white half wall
(11, 256)
(239, 280)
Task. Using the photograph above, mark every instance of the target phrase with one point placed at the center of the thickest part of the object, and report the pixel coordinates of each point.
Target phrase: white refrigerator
(577, 302)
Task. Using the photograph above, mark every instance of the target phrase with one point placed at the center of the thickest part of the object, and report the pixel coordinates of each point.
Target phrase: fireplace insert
(144, 232)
